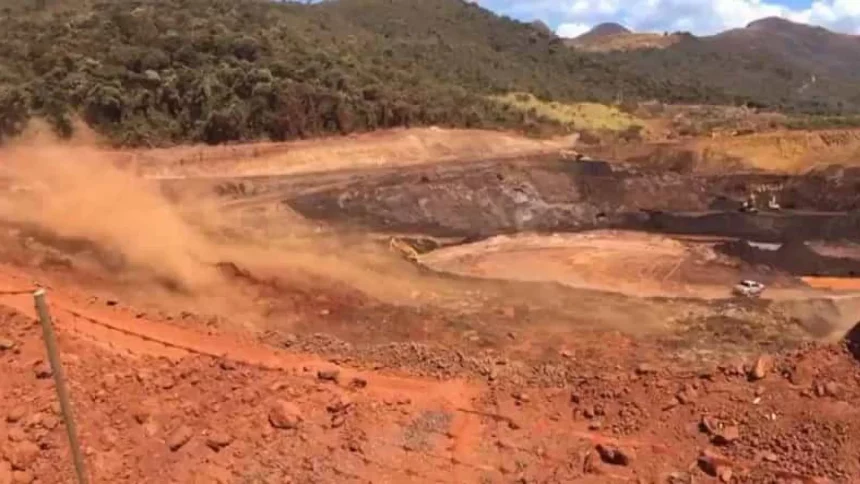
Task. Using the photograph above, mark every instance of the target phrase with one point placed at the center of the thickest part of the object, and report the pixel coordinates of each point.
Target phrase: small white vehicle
(748, 207)
(748, 288)
(772, 205)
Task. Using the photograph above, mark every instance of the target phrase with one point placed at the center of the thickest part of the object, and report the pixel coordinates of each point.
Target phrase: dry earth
(212, 345)
(632, 263)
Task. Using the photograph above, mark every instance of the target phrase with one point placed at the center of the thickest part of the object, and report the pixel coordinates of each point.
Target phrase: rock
(507, 467)
(679, 478)
(521, 397)
(6, 474)
(43, 371)
(16, 434)
(832, 389)
(165, 382)
(769, 457)
(670, 404)
(50, 422)
(713, 463)
(6, 344)
(23, 477)
(284, 415)
(16, 414)
(358, 383)
(141, 415)
(819, 390)
(614, 455)
(645, 369)
(596, 425)
(109, 438)
(762, 366)
(23, 455)
(179, 437)
(505, 444)
(150, 428)
(109, 381)
(35, 420)
(278, 386)
(574, 397)
(725, 474)
(337, 421)
(227, 365)
(589, 466)
(339, 404)
(217, 440)
(709, 424)
(328, 375)
(726, 435)
(686, 396)
(801, 376)
(289, 340)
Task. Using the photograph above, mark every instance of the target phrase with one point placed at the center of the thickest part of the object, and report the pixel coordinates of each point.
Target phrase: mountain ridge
(773, 24)
(606, 29)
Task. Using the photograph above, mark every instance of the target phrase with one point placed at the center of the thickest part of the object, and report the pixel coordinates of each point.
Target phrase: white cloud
(698, 16)
(572, 29)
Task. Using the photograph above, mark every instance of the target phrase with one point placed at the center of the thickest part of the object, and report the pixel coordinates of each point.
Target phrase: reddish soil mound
(188, 417)
(634, 263)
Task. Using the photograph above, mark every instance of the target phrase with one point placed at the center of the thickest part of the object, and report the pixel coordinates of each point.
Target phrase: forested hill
(774, 62)
(169, 71)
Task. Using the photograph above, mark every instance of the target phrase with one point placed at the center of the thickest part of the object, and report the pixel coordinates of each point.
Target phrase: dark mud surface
(490, 198)
(793, 257)
(786, 225)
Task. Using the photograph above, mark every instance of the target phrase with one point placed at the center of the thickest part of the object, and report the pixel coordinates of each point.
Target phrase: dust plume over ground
(73, 191)
(73, 194)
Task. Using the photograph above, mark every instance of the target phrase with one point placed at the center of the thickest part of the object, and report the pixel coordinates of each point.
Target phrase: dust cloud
(76, 191)
(73, 190)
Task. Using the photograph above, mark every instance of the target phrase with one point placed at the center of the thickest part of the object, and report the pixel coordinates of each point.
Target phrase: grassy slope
(167, 71)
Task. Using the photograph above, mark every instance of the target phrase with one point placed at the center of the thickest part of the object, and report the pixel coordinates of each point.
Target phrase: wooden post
(60, 383)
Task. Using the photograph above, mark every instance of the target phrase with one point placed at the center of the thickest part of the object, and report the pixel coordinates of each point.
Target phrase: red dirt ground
(168, 388)
(142, 387)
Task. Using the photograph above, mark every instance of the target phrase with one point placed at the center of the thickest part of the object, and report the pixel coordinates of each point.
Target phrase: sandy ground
(631, 263)
(834, 283)
(778, 151)
(403, 147)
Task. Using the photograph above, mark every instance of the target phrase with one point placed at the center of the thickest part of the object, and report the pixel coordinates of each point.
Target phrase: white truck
(748, 288)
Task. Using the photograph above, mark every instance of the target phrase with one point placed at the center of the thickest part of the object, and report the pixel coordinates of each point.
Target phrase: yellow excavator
(403, 248)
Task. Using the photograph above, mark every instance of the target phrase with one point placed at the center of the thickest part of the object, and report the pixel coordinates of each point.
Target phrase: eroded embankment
(481, 200)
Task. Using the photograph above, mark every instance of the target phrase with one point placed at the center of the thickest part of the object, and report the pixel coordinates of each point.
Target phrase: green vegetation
(152, 72)
(164, 71)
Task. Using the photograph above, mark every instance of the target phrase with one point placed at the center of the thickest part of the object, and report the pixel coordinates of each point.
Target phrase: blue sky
(573, 17)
